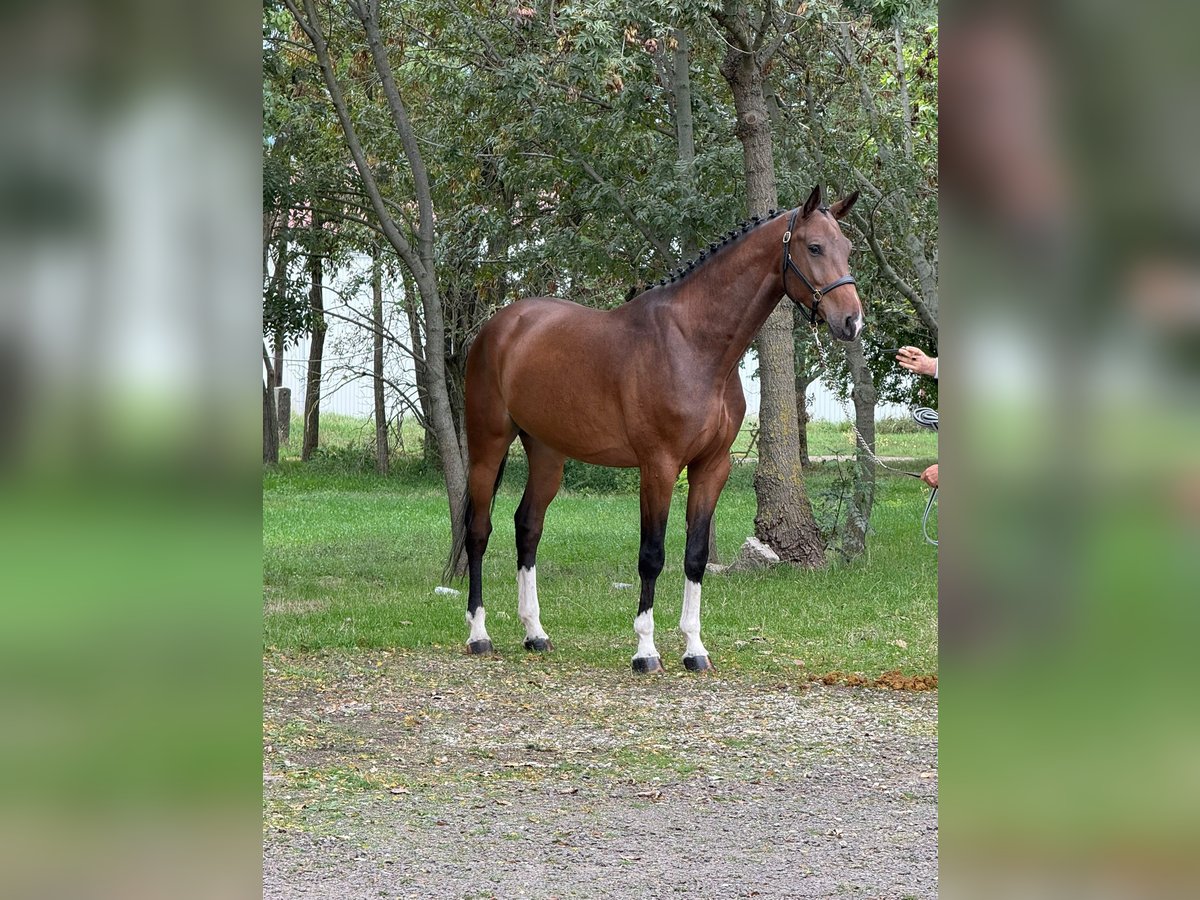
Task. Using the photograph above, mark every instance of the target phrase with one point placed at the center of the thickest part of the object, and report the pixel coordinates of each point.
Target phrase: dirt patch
(433, 774)
(892, 680)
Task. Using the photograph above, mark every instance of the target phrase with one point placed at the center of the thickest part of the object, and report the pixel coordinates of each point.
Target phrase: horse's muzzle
(848, 328)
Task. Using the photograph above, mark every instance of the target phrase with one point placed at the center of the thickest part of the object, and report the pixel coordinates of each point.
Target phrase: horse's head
(816, 269)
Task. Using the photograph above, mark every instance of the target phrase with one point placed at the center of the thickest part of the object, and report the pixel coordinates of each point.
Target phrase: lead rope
(862, 442)
(925, 518)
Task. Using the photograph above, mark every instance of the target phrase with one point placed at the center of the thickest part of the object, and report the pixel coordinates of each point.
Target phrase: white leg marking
(527, 603)
(689, 620)
(643, 626)
(478, 630)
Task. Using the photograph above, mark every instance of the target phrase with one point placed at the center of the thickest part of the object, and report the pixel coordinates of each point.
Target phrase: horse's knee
(695, 557)
(529, 531)
(651, 559)
(478, 533)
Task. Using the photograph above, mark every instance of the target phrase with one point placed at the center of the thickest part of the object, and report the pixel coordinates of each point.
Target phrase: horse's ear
(839, 209)
(813, 201)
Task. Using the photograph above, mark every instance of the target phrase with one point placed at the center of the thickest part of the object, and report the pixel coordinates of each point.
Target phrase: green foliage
(550, 139)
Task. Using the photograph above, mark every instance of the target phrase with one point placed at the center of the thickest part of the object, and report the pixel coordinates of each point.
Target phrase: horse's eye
(814, 249)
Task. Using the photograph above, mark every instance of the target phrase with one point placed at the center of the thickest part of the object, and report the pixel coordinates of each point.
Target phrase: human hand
(930, 476)
(916, 361)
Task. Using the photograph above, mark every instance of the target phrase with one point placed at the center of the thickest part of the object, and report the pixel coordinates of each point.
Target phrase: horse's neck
(722, 307)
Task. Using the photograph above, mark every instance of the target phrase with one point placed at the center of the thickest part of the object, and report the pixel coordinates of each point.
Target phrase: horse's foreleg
(705, 482)
(545, 476)
(657, 485)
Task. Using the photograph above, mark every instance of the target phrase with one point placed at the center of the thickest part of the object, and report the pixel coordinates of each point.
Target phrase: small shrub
(584, 478)
(350, 458)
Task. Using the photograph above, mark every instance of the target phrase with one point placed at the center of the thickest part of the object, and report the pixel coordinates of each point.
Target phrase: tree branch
(353, 143)
(662, 249)
(368, 14)
(921, 308)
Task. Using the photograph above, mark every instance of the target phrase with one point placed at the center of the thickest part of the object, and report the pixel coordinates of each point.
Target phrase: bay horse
(652, 384)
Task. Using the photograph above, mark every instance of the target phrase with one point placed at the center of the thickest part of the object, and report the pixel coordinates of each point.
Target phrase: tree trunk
(685, 132)
(270, 425)
(858, 512)
(784, 520)
(803, 380)
(279, 345)
(270, 414)
(902, 82)
(381, 429)
(429, 449)
(316, 351)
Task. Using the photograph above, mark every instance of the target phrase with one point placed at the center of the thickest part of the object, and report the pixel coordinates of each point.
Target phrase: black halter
(817, 293)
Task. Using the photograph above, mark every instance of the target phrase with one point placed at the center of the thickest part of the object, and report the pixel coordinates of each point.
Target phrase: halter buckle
(787, 237)
(816, 296)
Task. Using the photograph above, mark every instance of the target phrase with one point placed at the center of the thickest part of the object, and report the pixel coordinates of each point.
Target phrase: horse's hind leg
(545, 477)
(657, 483)
(487, 447)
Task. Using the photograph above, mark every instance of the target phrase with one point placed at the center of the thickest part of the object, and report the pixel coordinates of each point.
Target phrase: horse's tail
(466, 515)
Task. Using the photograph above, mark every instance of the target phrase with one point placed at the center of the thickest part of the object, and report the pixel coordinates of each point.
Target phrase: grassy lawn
(894, 437)
(351, 560)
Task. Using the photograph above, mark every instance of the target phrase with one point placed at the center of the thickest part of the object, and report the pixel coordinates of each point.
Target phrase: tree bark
(316, 350)
(381, 429)
(270, 415)
(784, 520)
(278, 344)
(858, 512)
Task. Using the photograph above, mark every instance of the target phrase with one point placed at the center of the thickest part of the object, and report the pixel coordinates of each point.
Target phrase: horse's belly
(578, 433)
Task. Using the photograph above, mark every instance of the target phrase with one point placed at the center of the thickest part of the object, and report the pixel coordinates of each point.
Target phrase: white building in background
(348, 351)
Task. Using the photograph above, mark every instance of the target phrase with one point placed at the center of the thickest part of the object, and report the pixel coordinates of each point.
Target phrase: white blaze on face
(689, 620)
(478, 630)
(858, 326)
(527, 603)
(643, 626)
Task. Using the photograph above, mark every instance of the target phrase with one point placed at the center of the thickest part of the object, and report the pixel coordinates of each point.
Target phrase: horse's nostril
(850, 322)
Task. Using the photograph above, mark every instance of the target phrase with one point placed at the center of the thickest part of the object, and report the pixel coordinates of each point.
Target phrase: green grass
(338, 432)
(351, 561)
(893, 437)
(347, 439)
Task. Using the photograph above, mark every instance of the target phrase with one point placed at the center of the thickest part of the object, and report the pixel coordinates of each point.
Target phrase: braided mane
(731, 236)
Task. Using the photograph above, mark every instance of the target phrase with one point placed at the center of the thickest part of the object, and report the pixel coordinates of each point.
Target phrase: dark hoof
(478, 648)
(644, 665)
(698, 664)
(538, 645)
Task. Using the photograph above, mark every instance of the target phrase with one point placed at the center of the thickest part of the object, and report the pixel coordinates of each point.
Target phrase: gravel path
(437, 775)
